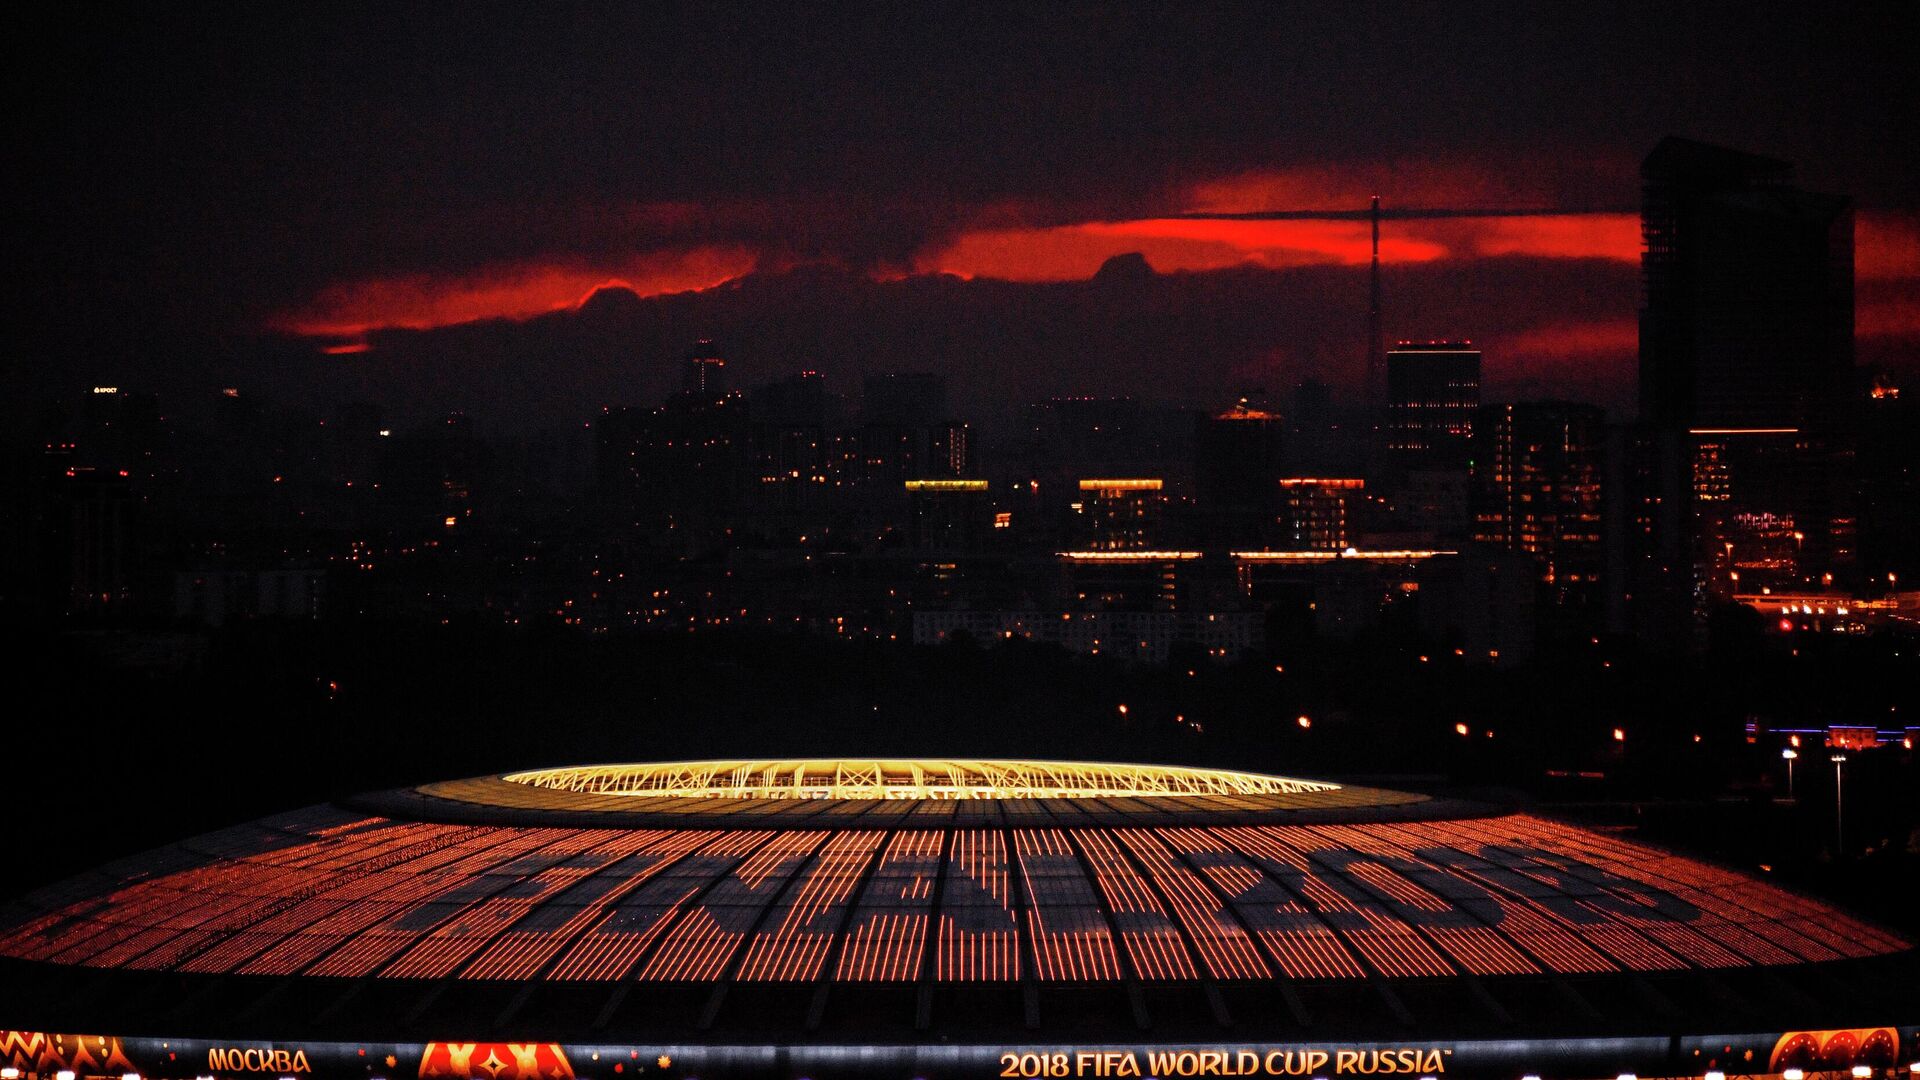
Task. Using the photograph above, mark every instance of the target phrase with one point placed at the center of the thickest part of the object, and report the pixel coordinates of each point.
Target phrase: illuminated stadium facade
(923, 919)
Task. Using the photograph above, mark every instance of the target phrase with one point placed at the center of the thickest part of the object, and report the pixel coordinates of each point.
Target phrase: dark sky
(217, 192)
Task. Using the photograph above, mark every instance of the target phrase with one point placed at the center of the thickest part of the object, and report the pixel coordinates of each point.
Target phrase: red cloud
(1072, 252)
(421, 301)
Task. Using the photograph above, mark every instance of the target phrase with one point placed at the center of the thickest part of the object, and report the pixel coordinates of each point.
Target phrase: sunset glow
(424, 301)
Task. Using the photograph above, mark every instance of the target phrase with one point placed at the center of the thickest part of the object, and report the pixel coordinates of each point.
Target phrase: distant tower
(704, 372)
(1376, 358)
(1433, 394)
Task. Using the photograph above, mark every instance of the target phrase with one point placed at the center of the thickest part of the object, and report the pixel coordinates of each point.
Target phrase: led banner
(41, 1055)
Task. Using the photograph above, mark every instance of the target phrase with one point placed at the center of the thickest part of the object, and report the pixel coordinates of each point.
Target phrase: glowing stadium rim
(916, 778)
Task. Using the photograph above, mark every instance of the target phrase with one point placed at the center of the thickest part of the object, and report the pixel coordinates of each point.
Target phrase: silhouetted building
(1890, 483)
(1316, 512)
(798, 400)
(949, 516)
(1237, 462)
(1433, 392)
(97, 535)
(1766, 512)
(1480, 603)
(1121, 513)
(950, 449)
(1538, 491)
(703, 374)
(1746, 353)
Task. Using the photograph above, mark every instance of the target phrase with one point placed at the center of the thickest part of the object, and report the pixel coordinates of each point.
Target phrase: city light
(1861, 1072)
(1382, 555)
(1793, 1074)
(1305, 721)
(1619, 735)
(1129, 556)
(1128, 484)
(946, 485)
(1714, 1074)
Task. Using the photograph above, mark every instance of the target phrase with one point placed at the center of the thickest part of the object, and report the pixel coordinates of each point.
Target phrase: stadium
(928, 919)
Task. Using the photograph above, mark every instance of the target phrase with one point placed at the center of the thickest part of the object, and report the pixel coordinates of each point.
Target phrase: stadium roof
(925, 903)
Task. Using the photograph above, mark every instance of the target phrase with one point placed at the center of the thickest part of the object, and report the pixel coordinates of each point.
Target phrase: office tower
(949, 516)
(1537, 490)
(1237, 461)
(703, 372)
(1316, 512)
(1121, 513)
(1890, 486)
(1746, 353)
(790, 449)
(950, 449)
(1433, 391)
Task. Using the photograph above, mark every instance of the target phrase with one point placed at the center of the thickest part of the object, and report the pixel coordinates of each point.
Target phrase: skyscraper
(1746, 354)
(1237, 460)
(1433, 392)
(703, 372)
(1538, 491)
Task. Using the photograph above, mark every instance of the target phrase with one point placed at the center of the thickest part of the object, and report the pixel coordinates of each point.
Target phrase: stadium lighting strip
(919, 779)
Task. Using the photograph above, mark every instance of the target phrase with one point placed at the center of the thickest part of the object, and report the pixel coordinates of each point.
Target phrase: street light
(1790, 754)
(1839, 821)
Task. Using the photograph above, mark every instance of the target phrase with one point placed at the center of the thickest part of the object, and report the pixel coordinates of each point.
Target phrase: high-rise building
(950, 449)
(1316, 512)
(1433, 392)
(703, 372)
(948, 515)
(1237, 459)
(1537, 491)
(1746, 356)
(1121, 513)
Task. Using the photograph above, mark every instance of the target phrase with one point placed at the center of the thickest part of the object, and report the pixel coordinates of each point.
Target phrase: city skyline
(335, 208)
(941, 541)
